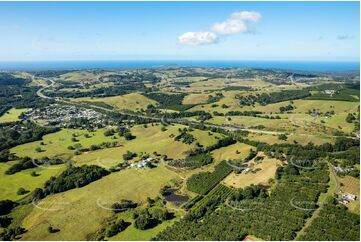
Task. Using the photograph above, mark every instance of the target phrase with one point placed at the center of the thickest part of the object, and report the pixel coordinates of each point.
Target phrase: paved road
(40, 91)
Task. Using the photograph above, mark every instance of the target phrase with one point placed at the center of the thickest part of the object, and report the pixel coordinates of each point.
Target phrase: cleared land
(302, 139)
(132, 101)
(12, 115)
(230, 152)
(76, 212)
(195, 98)
(56, 144)
(11, 183)
(302, 106)
(148, 140)
(268, 169)
(352, 185)
(131, 233)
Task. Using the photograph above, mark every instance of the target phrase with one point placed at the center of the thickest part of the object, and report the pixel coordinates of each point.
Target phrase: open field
(148, 140)
(56, 144)
(302, 106)
(12, 115)
(11, 183)
(230, 152)
(228, 99)
(131, 233)
(352, 185)
(302, 139)
(79, 76)
(247, 121)
(268, 169)
(132, 101)
(76, 212)
(195, 98)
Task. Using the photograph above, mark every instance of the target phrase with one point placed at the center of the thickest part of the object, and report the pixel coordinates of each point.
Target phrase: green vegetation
(169, 101)
(334, 223)
(203, 182)
(73, 177)
(109, 160)
(12, 115)
(254, 216)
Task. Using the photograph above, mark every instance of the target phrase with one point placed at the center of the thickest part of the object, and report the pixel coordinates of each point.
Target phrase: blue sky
(179, 30)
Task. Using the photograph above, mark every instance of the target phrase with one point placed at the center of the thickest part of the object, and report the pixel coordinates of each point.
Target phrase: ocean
(285, 65)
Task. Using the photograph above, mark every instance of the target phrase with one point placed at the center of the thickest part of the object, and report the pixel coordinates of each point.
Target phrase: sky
(317, 31)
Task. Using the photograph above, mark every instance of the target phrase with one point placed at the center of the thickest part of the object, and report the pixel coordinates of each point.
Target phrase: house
(338, 169)
(343, 201)
(247, 170)
(349, 197)
(330, 92)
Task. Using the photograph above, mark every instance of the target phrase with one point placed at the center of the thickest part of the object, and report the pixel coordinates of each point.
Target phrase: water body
(286, 65)
(172, 197)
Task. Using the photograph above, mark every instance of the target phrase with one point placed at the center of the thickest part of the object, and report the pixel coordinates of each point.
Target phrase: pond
(172, 196)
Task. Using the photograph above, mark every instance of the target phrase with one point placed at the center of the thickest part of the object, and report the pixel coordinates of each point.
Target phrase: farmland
(97, 154)
(56, 144)
(76, 211)
(132, 101)
(11, 115)
(267, 170)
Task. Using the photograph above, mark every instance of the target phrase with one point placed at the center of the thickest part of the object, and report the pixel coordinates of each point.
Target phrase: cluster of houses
(16, 127)
(148, 162)
(339, 169)
(346, 198)
(62, 115)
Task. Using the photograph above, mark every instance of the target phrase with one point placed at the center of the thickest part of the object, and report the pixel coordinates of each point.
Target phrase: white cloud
(197, 38)
(237, 23)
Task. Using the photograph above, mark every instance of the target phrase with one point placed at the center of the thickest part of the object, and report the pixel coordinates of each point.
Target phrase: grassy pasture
(12, 115)
(148, 140)
(77, 212)
(56, 144)
(268, 169)
(79, 76)
(132, 101)
(229, 152)
(247, 121)
(228, 99)
(302, 139)
(132, 234)
(302, 106)
(195, 98)
(11, 183)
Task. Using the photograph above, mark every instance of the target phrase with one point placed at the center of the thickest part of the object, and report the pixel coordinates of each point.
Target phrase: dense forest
(169, 101)
(274, 97)
(333, 223)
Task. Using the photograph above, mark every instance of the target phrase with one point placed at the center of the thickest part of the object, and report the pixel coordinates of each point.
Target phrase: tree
(350, 118)
(161, 214)
(52, 230)
(128, 136)
(129, 155)
(282, 137)
(21, 191)
(116, 227)
(144, 221)
(6, 206)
